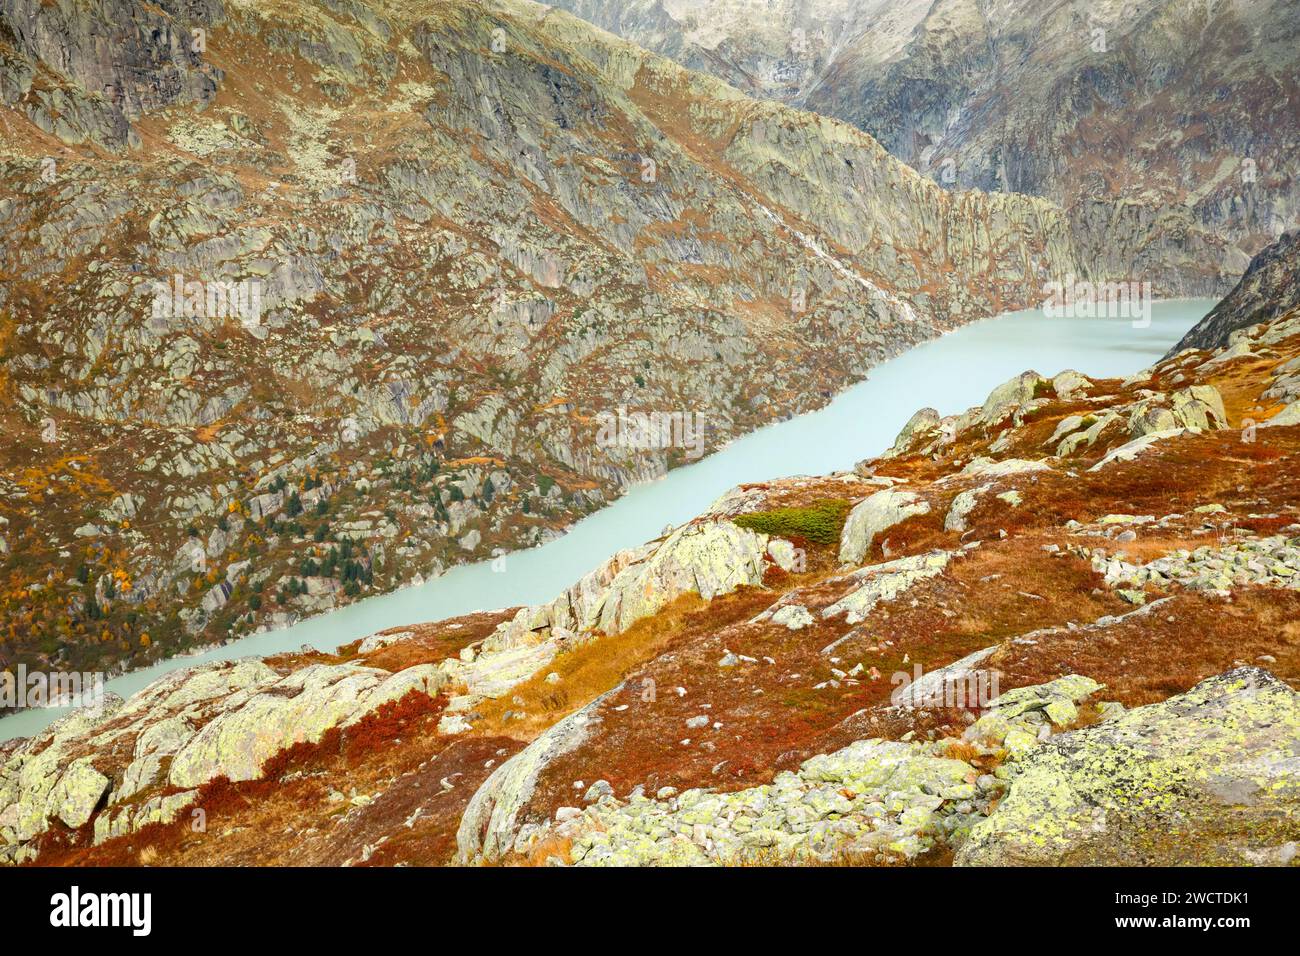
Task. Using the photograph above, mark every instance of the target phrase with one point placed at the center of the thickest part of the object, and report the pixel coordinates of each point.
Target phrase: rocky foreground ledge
(1057, 629)
(1206, 777)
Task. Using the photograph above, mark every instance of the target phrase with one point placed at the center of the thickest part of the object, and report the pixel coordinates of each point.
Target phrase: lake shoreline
(453, 593)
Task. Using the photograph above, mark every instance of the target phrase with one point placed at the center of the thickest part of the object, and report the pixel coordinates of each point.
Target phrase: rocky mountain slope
(1270, 284)
(302, 301)
(306, 301)
(1176, 120)
(1058, 628)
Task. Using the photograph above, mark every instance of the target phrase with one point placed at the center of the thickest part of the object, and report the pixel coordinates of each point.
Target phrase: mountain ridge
(1181, 116)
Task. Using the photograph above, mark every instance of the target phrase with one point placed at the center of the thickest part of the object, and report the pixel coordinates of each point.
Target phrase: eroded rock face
(123, 57)
(1211, 776)
(1270, 286)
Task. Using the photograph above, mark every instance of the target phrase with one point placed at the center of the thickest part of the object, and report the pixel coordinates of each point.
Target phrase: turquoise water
(950, 374)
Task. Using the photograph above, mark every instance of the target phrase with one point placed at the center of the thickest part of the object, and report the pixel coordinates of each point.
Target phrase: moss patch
(820, 523)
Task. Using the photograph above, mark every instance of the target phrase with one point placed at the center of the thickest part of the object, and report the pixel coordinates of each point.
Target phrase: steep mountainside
(1063, 627)
(1178, 121)
(1271, 283)
(303, 300)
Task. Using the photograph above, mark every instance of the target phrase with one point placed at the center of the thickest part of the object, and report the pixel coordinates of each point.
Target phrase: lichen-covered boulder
(577, 609)
(1288, 416)
(1200, 406)
(1131, 450)
(157, 809)
(961, 507)
(1081, 431)
(197, 685)
(1012, 394)
(1211, 776)
(874, 798)
(77, 794)
(923, 425)
(493, 674)
(1149, 416)
(709, 559)
(490, 826)
(960, 683)
(793, 616)
(885, 582)
(296, 709)
(1020, 718)
(988, 468)
(1070, 383)
(874, 516)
